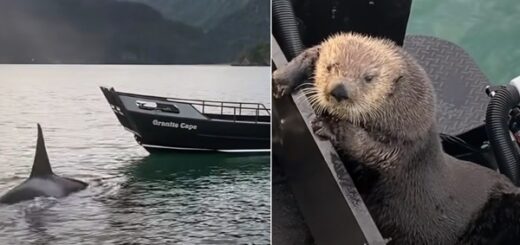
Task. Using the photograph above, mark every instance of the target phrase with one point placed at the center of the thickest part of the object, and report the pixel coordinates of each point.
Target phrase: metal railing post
(257, 112)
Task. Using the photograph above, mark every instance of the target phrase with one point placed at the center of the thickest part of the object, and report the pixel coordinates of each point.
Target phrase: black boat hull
(209, 135)
(189, 130)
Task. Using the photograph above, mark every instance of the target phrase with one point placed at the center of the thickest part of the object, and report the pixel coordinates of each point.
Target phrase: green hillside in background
(130, 32)
(204, 14)
(256, 56)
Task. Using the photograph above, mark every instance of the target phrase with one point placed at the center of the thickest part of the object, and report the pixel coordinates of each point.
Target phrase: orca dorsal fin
(41, 166)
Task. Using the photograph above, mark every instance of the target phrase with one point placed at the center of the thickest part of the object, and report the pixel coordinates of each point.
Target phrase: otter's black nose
(339, 92)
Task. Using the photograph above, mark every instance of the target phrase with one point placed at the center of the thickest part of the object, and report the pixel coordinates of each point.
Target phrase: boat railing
(227, 108)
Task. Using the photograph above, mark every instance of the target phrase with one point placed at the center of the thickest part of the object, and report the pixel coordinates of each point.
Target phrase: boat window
(152, 106)
(146, 105)
(168, 108)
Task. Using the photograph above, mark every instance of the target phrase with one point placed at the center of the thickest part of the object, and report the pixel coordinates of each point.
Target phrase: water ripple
(133, 197)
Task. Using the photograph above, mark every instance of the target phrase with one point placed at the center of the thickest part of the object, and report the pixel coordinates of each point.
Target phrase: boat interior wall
(320, 18)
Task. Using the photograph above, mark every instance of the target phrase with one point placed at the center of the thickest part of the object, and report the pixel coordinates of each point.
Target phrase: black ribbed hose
(497, 129)
(286, 27)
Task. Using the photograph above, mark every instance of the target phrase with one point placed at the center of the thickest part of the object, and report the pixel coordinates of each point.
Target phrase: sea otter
(376, 105)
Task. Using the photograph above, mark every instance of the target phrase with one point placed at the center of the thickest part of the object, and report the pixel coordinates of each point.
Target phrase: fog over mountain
(134, 31)
(204, 14)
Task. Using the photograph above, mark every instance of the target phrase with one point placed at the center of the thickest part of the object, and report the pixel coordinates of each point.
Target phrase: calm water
(488, 30)
(133, 197)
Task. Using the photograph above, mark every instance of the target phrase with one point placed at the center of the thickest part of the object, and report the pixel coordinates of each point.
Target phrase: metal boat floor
(459, 83)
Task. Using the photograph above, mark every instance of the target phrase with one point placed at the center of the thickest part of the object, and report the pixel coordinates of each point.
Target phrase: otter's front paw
(296, 72)
(321, 130)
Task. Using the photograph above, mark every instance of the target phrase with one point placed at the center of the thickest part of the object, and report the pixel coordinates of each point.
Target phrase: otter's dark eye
(369, 78)
(329, 67)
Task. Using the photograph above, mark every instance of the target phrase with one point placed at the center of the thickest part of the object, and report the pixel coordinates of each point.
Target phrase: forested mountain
(204, 14)
(116, 31)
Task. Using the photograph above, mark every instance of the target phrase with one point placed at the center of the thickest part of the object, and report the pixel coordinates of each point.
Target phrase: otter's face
(355, 75)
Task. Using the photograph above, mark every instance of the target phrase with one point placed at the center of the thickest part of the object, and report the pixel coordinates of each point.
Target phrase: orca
(42, 182)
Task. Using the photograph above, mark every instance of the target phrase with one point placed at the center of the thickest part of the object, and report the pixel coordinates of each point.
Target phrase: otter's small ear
(296, 72)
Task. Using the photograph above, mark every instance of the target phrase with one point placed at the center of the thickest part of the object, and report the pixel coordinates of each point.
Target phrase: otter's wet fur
(383, 126)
